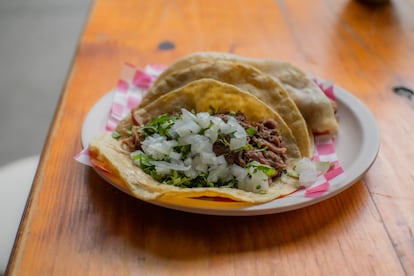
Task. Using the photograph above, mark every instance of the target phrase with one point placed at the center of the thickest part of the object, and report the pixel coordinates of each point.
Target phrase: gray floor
(38, 40)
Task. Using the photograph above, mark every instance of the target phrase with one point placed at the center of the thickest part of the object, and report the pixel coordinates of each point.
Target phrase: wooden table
(77, 224)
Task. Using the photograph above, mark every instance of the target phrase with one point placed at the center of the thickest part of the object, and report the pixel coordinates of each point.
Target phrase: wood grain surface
(77, 224)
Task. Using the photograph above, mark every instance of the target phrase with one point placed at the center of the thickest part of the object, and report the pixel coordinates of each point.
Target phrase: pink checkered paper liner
(134, 83)
(131, 87)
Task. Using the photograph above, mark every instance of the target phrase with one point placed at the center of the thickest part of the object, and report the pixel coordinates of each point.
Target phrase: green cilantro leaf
(268, 170)
(116, 135)
(251, 131)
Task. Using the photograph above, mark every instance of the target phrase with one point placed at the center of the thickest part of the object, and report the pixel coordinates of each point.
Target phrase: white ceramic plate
(357, 146)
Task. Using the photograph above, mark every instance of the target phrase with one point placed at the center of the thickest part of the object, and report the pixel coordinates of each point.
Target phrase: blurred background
(38, 42)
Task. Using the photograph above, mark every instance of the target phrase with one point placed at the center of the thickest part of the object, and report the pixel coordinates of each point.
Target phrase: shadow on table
(172, 234)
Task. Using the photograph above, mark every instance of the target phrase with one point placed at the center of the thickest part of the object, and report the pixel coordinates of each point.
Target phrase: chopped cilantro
(251, 131)
(143, 159)
(160, 125)
(223, 138)
(268, 170)
(184, 150)
(116, 135)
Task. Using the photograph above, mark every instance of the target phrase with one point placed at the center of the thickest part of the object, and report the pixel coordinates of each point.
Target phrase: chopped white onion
(158, 147)
(203, 119)
(187, 115)
(259, 182)
(307, 178)
(304, 164)
(187, 130)
(199, 165)
(185, 127)
(309, 171)
(212, 133)
(199, 143)
(175, 155)
(322, 167)
(239, 172)
(217, 172)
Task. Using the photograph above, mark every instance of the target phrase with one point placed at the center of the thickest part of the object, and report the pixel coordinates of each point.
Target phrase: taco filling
(201, 150)
(189, 144)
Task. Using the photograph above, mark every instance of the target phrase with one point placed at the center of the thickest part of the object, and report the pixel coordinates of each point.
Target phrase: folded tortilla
(200, 96)
(315, 107)
(248, 79)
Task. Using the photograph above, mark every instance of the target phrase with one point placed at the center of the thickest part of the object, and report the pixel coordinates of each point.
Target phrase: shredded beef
(267, 146)
(133, 141)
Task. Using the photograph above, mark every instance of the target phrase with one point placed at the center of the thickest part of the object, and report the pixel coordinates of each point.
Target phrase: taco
(207, 141)
(316, 108)
(248, 79)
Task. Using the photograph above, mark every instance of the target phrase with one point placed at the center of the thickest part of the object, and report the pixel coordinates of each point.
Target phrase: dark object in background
(374, 2)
